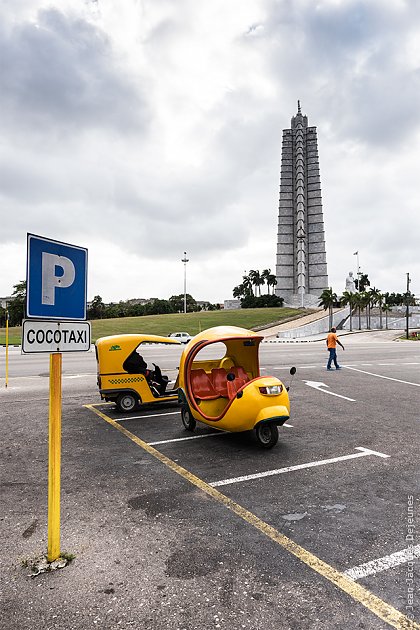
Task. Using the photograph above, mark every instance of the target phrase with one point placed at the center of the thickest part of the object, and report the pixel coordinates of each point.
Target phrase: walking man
(332, 341)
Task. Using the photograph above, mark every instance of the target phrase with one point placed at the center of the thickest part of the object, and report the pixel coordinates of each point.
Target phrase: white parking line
(190, 437)
(382, 564)
(358, 364)
(300, 367)
(268, 473)
(388, 378)
(152, 415)
(197, 437)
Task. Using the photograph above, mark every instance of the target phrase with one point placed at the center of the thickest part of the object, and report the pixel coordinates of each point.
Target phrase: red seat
(218, 378)
(240, 374)
(202, 386)
(233, 387)
(241, 377)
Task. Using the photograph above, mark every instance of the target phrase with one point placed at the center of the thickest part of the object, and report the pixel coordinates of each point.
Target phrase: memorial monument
(301, 266)
(350, 284)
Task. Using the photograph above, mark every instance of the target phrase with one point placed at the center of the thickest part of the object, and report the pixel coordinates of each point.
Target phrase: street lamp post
(185, 260)
(358, 270)
(407, 307)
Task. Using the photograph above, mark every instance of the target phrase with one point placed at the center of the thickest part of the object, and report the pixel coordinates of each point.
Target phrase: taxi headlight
(271, 390)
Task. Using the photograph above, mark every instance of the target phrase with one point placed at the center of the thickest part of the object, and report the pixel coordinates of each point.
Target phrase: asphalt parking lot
(207, 530)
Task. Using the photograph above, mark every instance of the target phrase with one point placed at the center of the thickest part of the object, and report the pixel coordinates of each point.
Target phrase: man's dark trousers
(333, 357)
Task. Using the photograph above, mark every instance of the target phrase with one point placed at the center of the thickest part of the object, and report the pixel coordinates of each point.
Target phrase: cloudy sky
(141, 129)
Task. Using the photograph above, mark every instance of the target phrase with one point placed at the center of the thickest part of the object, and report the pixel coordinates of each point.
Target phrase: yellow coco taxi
(127, 375)
(220, 384)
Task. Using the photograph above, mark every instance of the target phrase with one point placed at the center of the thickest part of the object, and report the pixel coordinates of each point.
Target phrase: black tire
(126, 402)
(187, 419)
(267, 434)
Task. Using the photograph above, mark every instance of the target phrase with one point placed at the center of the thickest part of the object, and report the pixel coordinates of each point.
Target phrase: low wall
(394, 323)
(314, 328)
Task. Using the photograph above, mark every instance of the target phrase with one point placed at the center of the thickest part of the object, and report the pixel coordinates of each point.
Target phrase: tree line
(249, 290)
(99, 310)
(131, 308)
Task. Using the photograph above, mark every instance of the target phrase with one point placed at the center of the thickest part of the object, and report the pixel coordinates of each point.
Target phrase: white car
(183, 337)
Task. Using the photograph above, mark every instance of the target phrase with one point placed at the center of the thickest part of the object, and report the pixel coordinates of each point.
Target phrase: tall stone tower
(301, 267)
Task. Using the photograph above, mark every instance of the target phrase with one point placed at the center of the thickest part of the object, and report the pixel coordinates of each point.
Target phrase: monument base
(295, 300)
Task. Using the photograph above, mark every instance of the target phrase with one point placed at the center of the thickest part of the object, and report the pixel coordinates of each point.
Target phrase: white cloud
(144, 129)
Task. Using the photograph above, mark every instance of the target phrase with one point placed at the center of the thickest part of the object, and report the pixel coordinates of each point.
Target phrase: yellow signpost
(54, 458)
(7, 346)
(56, 292)
(56, 338)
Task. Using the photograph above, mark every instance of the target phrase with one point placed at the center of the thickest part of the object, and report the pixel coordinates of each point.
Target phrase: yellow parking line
(377, 606)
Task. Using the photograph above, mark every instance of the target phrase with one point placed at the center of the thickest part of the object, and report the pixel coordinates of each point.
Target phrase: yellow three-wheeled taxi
(220, 384)
(126, 378)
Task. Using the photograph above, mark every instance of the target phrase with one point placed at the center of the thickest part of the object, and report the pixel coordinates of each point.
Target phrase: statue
(350, 286)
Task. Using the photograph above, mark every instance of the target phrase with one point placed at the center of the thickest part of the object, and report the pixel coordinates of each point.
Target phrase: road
(157, 548)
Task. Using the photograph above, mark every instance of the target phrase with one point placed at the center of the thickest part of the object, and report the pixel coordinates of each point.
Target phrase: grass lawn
(414, 335)
(190, 322)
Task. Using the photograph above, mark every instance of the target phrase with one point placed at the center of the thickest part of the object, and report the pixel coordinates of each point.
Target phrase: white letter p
(49, 278)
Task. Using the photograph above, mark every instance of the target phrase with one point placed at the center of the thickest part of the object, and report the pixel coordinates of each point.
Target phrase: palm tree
(260, 283)
(364, 302)
(256, 280)
(386, 308)
(265, 275)
(380, 301)
(364, 282)
(251, 278)
(244, 289)
(238, 291)
(246, 281)
(349, 298)
(327, 299)
(271, 281)
(375, 297)
(358, 303)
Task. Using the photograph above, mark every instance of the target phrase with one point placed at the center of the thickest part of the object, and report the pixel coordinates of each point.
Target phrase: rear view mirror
(292, 370)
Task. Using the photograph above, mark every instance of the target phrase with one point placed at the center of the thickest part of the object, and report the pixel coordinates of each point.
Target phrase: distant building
(141, 301)
(4, 300)
(232, 304)
(301, 266)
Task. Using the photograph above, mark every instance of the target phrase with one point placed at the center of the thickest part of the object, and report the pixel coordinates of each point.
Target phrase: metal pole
(331, 313)
(185, 260)
(54, 458)
(358, 270)
(407, 307)
(7, 346)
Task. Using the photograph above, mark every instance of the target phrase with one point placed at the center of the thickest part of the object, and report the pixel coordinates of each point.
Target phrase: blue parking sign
(56, 279)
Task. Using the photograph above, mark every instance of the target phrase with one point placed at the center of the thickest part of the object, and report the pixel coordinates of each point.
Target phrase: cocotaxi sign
(43, 336)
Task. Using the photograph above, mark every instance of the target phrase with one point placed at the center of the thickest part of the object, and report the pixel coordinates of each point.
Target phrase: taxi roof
(220, 333)
(135, 339)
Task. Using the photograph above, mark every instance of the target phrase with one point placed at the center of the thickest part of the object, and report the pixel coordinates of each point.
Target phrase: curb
(342, 333)
(292, 340)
